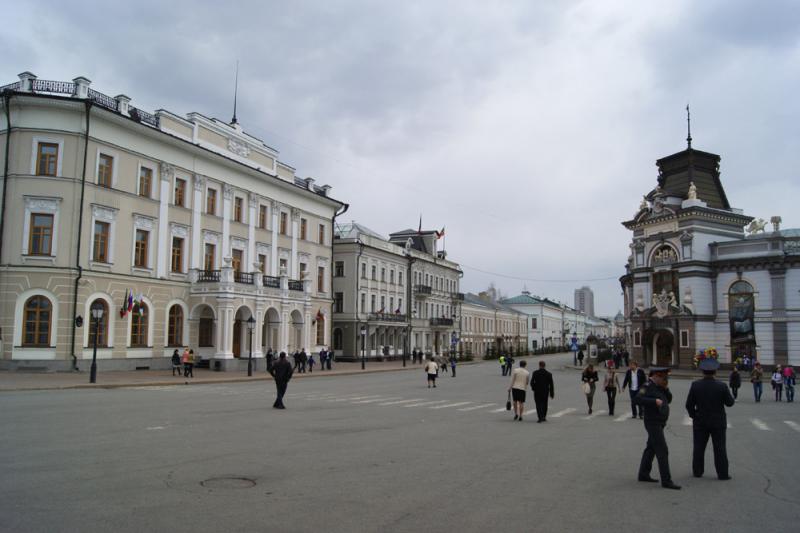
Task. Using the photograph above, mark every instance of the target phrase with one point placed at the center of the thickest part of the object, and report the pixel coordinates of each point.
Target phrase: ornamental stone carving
(167, 171)
(199, 182)
(238, 243)
(757, 226)
(276, 206)
(262, 248)
(692, 191)
(178, 230)
(252, 198)
(238, 147)
(227, 192)
(42, 204)
(295, 214)
(663, 302)
(143, 222)
(210, 237)
(105, 214)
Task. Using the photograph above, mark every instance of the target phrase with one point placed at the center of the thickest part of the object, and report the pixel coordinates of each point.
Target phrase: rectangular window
(236, 260)
(400, 304)
(338, 269)
(145, 182)
(237, 209)
(383, 304)
(105, 170)
(320, 279)
(211, 201)
(533, 323)
(180, 192)
(637, 338)
(284, 266)
(391, 304)
(209, 259)
(100, 250)
(47, 159)
(206, 337)
(363, 303)
(374, 273)
(176, 261)
(391, 277)
(322, 233)
(262, 262)
(383, 274)
(364, 270)
(338, 302)
(400, 277)
(140, 248)
(284, 224)
(684, 338)
(303, 228)
(262, 217)
(303, 270)
(372, 303)
(41, 234)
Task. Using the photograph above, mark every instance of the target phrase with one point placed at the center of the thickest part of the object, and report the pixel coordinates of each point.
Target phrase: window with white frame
(106, 169)
(101, 247)
(47, 156)
(144, 184)
(142, 230)
(40, 226)
(684, 338)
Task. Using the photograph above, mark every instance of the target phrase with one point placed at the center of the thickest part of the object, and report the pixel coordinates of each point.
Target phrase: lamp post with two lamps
(251, 324)
(97, 316)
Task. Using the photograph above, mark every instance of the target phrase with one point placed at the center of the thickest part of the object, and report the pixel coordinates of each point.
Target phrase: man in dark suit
(542, 385)
(706, 405)
(281, 373)
(634, 380)
(654, 398)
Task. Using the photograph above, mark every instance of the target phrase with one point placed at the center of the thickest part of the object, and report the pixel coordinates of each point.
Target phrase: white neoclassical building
(184, 231)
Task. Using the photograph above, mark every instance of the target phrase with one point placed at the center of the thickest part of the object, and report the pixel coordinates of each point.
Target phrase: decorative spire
(235, 91)
(688, 127)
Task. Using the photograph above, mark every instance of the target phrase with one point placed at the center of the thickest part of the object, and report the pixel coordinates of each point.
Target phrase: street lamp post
(251, 324)
(363, 346)
(97, 315)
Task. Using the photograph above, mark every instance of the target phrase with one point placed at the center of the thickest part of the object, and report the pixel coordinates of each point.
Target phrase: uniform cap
(709, 364)
(659, 370)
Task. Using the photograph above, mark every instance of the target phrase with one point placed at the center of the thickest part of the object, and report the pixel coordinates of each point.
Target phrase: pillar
(276, 209)
(197, 232)
(167, 173)
(226, 220)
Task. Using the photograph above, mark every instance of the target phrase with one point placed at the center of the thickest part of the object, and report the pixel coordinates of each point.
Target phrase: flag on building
(440, 234)
(419, 231)
(124, 309)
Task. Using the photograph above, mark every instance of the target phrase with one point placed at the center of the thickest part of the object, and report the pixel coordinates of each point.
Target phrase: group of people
(303, 361)
(633, 381)
(183, 364)
(782, 379)
(506, 364)
(432, 367)
(541, 382)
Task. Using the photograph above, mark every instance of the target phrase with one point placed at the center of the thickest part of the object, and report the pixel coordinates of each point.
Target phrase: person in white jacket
(432, 370)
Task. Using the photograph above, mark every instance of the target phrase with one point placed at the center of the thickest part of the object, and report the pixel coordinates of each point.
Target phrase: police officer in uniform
(706, 405)
(655, 398)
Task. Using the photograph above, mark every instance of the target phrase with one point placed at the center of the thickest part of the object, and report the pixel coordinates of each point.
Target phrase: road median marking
(594, 414)
(457, 404)
(622, 418)
(402, 402)
(378, 400)
(423, 404)
(794, 425)
(563, 412)
(760, 424)
(473, 408)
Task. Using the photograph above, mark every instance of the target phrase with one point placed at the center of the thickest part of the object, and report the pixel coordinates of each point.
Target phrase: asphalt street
(378, 452)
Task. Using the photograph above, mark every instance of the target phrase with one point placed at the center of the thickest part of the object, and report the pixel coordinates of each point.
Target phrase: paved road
(378, 452)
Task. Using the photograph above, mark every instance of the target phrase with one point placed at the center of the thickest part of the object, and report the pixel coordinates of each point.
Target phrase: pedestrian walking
(706, 406)
(580, 357)
(296, 358)
(322, 356)
(431, 370)
(281, 373)
(626, 356)
(270, 359)
(519, 383)
(509, 364)
(502, 361)
(655, 398)
(734, 382)
(588, 383)
(789, 379)
(442, 363)
(634, 379)
(311, 363)
(755, 378)
(543, 387)
(611, 386)
(777, 383)
(453, 365)
(176, 363)
(303, 360)
(187, 360)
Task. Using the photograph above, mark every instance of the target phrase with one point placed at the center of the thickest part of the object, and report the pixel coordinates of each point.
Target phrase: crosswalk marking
(425, 404)
(563, 412)
(449, 405)
(350, 399)
(378, 400)
(594, 414)
(529, 411)
(621, 418)
(500, 410)
(402, 402)
(760, 424)
(473, 408)
(794, 425)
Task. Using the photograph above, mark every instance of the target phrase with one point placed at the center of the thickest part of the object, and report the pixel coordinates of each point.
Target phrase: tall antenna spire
(688, 127)
(235, 92)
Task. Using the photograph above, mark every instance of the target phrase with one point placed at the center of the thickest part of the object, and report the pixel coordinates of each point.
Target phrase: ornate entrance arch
(659, 347)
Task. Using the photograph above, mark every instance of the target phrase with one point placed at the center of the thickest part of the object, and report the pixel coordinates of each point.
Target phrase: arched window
(338, 340)
(175, 326)
(741, 304)
(99, 326)
(37, 316)
(320, 331)
(139, 319)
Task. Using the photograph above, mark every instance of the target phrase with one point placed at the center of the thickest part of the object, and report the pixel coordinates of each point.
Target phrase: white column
(252, 203)
(162, 252)
(258, 340)
(197, 232)
(295, 232)
(276, 208)
(226, 220)
(284, 330)
(307, 326)
(224, 329)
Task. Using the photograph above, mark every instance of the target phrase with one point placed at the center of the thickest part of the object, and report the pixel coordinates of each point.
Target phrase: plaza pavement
(377, 452)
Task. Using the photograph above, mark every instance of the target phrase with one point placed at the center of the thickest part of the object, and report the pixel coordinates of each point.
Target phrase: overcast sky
(528, 129)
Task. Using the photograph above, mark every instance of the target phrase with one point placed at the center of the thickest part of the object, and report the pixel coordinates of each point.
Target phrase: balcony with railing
(386, 317)
(272, 282)
(208, 276)
(295, 285)
(423, 290)
(458, 296)
(441, 321)
(243, 277)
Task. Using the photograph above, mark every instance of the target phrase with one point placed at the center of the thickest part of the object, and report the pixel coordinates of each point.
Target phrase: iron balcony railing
(243, 277)
(441, 321)
(386, 317)
(11, 87)
(103, 100)
(272, 282)
(458, 296)
(208, 276)
(425, 290)
(295, 285)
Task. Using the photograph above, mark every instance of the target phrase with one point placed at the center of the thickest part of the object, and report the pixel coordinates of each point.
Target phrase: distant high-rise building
(584, 300)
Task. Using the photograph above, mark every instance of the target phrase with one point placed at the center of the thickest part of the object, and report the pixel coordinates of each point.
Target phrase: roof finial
(235, 91)
(688, 127)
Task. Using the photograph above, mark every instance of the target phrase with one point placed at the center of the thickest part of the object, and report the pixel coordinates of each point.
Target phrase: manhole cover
(229, 482)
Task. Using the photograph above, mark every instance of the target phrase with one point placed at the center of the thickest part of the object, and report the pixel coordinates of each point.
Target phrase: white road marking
(500, 410)
(357, 398)
(757, 422)
(622, 418)
(529, 411)
(563, 412)
(155, 427)
(729, 425)
(594, 414)
(476, 407)
(794, 425)
(378, 400)
(423, 404)
(687, 420)
(449, 405)
(402, 401)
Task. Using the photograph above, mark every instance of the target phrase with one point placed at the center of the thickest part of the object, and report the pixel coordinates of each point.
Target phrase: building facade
(550, 323)
(183, 231)
(393, 296)
(695, 279)
(491, 327)
(584, 300)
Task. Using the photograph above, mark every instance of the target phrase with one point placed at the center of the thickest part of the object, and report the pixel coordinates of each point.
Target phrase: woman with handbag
(588, 383)
(611, 386)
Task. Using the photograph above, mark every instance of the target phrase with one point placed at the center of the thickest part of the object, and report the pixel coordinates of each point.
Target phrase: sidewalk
(21, 381)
